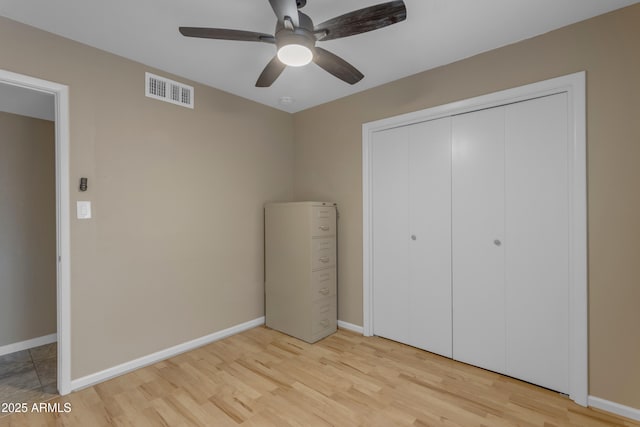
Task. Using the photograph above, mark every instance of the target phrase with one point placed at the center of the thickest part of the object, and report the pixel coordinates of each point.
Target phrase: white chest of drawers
(300, 269)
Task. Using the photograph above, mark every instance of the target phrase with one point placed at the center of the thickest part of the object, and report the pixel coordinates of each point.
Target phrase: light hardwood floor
(263, 378)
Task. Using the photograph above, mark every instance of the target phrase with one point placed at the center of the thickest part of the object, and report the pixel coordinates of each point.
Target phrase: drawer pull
(324, 309)
(324, 291)
(324, 259)
(324, 323)
(324, 227)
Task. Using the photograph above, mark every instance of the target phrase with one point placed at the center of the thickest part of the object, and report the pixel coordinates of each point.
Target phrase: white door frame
(575, 87)
(63, 224)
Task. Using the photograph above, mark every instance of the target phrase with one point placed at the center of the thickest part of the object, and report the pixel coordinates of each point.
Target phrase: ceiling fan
(295, 37)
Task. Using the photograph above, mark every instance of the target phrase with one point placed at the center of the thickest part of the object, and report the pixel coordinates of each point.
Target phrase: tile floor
(30, 375)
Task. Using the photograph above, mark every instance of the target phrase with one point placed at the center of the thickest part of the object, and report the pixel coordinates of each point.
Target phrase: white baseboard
(614, 408)
(25, 345)
(350, 327)
(150, 359)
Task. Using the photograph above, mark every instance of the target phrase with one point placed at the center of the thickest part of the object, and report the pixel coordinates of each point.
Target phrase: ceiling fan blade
(284, 8)
(337, 66)
(363, 20)
(270, 73)
(224, 34)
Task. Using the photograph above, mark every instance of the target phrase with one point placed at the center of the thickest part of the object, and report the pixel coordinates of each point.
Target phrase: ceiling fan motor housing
(297, 36)
(302, 35)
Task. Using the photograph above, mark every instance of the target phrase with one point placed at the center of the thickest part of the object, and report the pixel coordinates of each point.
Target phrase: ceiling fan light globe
(295, 55)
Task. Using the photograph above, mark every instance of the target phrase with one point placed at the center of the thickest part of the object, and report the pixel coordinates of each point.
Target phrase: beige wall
(328, 165)
(27, 229)
(174, 251)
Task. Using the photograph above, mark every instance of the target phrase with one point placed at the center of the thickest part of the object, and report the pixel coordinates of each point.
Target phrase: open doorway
(28, 330)
(34, 253)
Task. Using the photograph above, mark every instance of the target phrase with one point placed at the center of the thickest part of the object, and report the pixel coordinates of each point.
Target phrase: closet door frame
(574, 85)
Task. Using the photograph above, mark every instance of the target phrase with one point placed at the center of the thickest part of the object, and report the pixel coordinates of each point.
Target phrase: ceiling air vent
(168, 90)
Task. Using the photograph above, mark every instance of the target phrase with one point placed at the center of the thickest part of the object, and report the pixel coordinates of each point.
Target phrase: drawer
(323, 253)
(323, 284)
(324, 316)
(323, 221)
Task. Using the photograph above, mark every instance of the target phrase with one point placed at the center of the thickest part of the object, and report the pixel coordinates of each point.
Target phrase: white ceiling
(436, 32)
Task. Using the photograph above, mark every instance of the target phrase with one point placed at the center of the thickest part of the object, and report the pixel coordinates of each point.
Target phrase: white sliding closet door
(430, 225)
(390, 160)
(478, 234)
(537, 241)
(511, 240)
(475, 233)
(412, 229)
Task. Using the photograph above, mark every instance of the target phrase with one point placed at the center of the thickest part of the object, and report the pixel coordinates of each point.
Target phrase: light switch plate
(83, 210)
